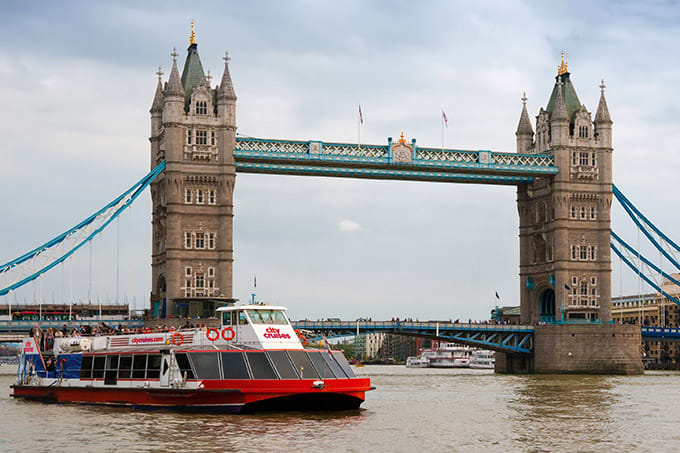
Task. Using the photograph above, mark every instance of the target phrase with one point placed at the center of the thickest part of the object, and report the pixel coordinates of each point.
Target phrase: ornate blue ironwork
(294, 157)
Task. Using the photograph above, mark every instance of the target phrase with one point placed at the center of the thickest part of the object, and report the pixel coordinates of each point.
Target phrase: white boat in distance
(446, 355)
(417, 362)
(483, 359)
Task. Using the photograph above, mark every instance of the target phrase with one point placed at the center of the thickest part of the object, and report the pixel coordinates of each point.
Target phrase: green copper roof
(568, 93)
(192, 72)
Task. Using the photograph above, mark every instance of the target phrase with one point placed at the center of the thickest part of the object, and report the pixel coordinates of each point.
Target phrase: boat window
(206, 364)
(321, 365)
(234, 366)
(125, 367)
(342, 361)
(226, 318)
(138, 366)
(153, 368)
(98, 369)
(111, 374)
(260, 366)
(184, 365)
(267, 317)
(283, 364)
(330, 361)
(303, 365)
(86, 367)
(242, 319)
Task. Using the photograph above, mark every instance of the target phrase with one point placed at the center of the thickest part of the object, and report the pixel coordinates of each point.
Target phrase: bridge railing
(26, 325)
(352, 325)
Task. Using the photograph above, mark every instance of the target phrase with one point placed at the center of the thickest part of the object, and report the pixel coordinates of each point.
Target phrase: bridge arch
(546, 307)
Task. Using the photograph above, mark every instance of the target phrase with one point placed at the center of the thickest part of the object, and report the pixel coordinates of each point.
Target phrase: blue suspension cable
(138, 189)
(628, 206)
(620, 196)
(644, 277)
(644, 260)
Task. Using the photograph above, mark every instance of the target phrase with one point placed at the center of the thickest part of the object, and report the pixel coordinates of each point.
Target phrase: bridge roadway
(498, 337)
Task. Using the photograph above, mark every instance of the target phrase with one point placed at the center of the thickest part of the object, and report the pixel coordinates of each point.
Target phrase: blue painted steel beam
(379, 173)
(660, 333)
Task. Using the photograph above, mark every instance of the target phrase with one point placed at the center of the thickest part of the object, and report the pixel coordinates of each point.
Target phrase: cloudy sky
(77, 80)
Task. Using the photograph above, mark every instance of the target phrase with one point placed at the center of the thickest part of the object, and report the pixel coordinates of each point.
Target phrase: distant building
(366, 345)
(652, 309)
(399, 347)
(506, 315)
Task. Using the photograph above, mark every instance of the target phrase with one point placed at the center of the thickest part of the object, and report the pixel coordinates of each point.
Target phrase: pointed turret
(174, 85)
(569, 95)
(603, 122)
(226, 90)
(157, 104)
(559, 112)
(524, 133)
(559, 119)
(602, 115)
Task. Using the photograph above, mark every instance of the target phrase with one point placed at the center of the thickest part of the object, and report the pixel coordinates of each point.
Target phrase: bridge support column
(587, 349)
(514, 363)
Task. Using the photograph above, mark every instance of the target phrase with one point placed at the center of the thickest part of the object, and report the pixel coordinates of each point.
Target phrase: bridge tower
(193, 128)
(565, 265)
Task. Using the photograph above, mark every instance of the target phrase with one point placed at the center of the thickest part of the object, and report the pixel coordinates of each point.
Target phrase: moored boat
(253, 361)
(483, 359)
(417, 362)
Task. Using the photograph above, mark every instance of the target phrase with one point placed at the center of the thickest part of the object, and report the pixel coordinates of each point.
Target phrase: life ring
(301, 337)
(212, 329)
(177, 338)
(226, 330)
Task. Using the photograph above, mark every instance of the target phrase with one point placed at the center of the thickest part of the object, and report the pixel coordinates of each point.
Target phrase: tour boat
(448, 355)
(482, 359)
(417, 362)
(253, 361)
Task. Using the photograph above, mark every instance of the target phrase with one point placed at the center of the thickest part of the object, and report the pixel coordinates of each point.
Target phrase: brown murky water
(412, 410)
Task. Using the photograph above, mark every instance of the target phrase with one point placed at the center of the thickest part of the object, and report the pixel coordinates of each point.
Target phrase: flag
(497, 296)
(254, 281)
(567, 287)
(446, 121)
(361, 117)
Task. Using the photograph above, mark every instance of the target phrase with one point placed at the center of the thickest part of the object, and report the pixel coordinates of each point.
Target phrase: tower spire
(226, 90)
(524, 126)
(560, 111)
(174, 86)
(192, 38)
(602, 115)
(157, 104)
(562, 68)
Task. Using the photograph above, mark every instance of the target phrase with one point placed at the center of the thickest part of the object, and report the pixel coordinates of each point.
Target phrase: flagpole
(442, 128)
(359, 128)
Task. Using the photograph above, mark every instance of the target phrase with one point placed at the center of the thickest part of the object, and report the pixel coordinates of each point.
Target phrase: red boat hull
(230, 396)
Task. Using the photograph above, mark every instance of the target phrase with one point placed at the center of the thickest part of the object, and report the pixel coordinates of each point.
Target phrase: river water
(412, 410)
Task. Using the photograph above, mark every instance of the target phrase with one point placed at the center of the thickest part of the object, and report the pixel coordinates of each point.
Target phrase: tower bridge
(562, 174)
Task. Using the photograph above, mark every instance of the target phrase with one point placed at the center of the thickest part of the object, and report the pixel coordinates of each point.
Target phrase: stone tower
(193, 129)
(564, 220)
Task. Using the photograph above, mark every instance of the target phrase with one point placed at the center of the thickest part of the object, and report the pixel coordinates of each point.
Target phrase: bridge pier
(578, 349)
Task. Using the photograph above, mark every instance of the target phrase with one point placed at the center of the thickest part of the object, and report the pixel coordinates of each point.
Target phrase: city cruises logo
(271, 332)
(147, 340)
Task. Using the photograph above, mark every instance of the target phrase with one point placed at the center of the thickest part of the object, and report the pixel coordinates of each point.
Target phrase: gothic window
(213, 139)
(583, 158)
(574, 158)
(201, 108)
(583, 253)
(593, 281)
(593, 160)
(211, 272)
(211, 284)
(189, 137)
(583, 131)
(211, 241)
(593, 213)
(574, 252)
(574, 281)
(187, 271)
(572, 212)
(201, 137)
(187, 240)
(549, 253)
(200, 240)
(212, 196)
(583, 213)
(592, 253)
(200, 280)
(199, 197)
(187, 196)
